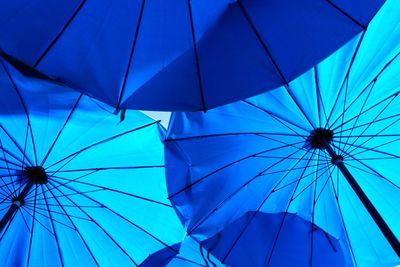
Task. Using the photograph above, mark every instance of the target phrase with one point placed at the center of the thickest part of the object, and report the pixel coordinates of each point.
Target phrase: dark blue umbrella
(78, 187)
(188, 253)
(178, 54)
(325, 147)
(281, 239)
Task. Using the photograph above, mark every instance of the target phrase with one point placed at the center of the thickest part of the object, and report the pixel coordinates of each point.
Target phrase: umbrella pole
(373, 212)
(16, 203)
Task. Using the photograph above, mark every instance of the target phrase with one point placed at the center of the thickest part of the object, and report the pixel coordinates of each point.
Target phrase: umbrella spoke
(114, 212)
(32, 227)
(16, 143)
(231, 134)
(336, 194)
(54, 228)
(72, 222)
(102, 188)
(106, 168)
(279, 119)
(224, 167)
(62, 128)
(74, 154)
(320, 101)
(231, 195)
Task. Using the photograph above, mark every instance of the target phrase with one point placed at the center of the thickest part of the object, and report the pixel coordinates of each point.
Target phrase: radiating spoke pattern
(79, 185)
(286, 151)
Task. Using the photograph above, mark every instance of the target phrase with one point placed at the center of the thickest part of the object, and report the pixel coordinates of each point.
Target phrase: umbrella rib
(131, 53)
(358, 115)
(230, 134)
(372, 122)
(116, 213)
(23, 105)
(252, 217)
(278, 118)
(76, 228)
(286, 212)
(28, 208)
(336, 193)
(98, 225)
(119, 192)
(61, 130)
(53, 226)
(260, 40)
(313, 212)
(8, 168)
(370, 83)
(376, 172)
(196, 55)
(347, 15)
(369, 125)
(231, 195)
(224, 167)
(346, 77)
(32, 227)
(103, 141)
(57, 37)
(15, 142)
(108, 168)
(320, 101)
(25, 221)
(364, 142)
(368, 149)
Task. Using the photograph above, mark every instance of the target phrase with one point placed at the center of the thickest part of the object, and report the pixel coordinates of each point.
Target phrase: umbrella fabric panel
(202, 53)
(354, 94)
(104, 178)
(284, 234)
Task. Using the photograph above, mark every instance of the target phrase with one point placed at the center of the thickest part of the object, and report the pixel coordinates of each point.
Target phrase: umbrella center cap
(320, 138)
(36, 174)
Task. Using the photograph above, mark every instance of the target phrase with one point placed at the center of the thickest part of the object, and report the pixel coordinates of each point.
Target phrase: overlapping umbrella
(78, 187)
(180, 54)
(325, 147)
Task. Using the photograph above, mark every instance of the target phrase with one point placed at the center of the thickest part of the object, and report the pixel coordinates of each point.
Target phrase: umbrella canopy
(190, 253)
(262, 239)
(325, 147)
(78, 186)
(182, 54)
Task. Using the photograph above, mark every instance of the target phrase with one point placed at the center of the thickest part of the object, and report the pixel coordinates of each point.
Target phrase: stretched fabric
(180, 55)
(325, 147)
(79, 187)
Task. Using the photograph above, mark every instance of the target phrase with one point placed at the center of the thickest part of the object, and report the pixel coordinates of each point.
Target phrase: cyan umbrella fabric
(279, 239)
(179, 54)
(286, 150)
(78, 186)
(190, 254)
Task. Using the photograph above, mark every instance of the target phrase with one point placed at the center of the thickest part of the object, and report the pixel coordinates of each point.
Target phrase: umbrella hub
(36, 174)
(320, 138)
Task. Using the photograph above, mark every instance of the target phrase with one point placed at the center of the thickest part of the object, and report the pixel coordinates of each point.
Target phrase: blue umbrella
(78, 187)
(181, 54)
(190, 254)
(270, 240)
(325, 147)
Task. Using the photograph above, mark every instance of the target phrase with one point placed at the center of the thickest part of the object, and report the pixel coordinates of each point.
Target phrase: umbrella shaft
(14, 207)
(373, 212)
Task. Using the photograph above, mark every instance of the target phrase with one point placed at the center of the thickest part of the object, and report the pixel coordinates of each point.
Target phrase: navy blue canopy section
(261, 239)
(179, 54)
(325, 147)
(78, 187)
(190, 253)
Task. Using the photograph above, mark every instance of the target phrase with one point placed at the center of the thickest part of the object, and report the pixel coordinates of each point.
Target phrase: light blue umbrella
(178, 54)
(325, 147)
(79, 187)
